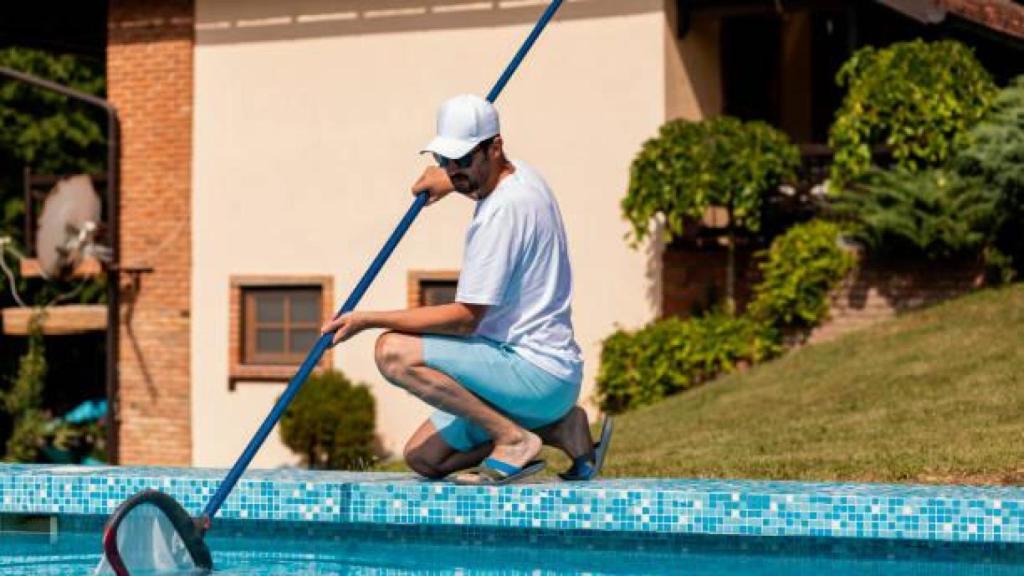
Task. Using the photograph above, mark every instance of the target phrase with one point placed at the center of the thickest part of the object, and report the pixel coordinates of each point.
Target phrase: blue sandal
(494, 472)
(588, 466)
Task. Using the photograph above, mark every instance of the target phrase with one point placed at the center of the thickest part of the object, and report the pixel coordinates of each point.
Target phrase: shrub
(798, 271)
(24, 401)
(918, 99)
(331, 423)
(692, 166)
(671, 355)
(931, 214)
(995, 161)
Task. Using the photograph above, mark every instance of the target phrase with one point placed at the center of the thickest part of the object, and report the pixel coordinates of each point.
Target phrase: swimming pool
(299, 522)
(407, 551)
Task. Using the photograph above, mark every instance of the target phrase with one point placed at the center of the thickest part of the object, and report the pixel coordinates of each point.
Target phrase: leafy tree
(693, 166)
(995, 161)
(917, 99)
(331, 423)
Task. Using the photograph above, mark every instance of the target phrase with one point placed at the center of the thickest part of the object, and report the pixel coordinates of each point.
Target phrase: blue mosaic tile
(699, 507)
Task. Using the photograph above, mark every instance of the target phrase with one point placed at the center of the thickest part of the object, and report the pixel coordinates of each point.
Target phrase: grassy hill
(933, 396)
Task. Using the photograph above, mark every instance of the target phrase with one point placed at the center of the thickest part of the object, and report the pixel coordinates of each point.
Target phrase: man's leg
(571, 434)
(429, 455)
(400, 360)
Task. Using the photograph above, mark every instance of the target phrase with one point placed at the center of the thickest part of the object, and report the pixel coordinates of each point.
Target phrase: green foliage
(995, 161)
(331, 423)
(43, 128)
(918, 99)
(24, 400)
(692, 166)
(931, 214)
(671, 355)
(798, 272)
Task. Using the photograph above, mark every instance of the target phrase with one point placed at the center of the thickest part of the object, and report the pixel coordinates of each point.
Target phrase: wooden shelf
(59, 320)
(88, 268)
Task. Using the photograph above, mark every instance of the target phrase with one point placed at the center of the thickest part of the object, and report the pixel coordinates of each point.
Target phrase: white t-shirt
(517, 261)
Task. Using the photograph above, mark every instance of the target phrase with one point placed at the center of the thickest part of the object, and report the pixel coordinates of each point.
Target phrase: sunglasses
(460, 163)
(464, 162)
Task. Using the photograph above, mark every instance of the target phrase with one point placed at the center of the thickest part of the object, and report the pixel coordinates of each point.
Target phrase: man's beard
(465, 184)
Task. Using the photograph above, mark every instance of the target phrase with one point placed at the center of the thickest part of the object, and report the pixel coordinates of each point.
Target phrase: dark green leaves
(931, 213)
(331, 423)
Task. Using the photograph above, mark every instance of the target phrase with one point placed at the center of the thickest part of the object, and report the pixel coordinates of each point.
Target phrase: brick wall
(875, 292)
(149, 74)
(693, 277)
(872, 293)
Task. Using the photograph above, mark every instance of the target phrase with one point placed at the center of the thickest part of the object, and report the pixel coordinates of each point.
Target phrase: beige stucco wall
(308, 116)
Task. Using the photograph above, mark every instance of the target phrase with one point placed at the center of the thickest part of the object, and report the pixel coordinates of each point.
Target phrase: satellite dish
(68, 226)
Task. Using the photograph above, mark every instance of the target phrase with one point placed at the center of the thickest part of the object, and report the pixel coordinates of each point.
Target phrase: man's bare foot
(518, 452)
(571, 434)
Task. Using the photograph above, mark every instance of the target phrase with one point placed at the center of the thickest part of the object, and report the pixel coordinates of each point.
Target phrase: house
(268, 149)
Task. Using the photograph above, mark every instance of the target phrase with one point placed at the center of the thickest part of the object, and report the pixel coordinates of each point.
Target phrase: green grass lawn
(934, 396)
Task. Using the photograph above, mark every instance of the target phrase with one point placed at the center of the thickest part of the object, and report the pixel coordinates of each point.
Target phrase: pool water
(370, 552)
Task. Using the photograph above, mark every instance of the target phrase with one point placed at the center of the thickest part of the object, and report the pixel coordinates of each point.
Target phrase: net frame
(190, 531)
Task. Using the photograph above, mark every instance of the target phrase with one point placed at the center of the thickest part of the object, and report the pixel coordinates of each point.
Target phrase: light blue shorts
(525, 393)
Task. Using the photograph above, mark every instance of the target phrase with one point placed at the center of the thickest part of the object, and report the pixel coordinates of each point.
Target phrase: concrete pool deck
(627, 506)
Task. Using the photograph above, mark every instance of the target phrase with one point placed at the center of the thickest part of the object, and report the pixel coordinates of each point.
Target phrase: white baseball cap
(462, 123)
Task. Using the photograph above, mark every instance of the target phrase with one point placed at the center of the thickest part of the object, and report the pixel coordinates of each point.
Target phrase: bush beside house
(914, 100)
(994, 162)
(671, 355)
(799, 271)
(331, 423)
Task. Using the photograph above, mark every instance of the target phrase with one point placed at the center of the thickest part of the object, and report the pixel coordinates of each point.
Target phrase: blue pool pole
(324, 342)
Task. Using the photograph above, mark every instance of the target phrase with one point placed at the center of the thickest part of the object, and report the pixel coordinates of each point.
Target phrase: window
(280, 325)
(274, 322)
(432, 288)
(434, 292)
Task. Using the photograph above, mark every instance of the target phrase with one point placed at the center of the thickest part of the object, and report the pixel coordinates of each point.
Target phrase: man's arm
(456, 319)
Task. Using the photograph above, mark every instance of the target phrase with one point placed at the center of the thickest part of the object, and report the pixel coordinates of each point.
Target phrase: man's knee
(394, 355)
(418, 460)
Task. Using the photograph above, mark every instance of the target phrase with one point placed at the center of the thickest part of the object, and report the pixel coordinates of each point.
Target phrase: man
(500, 364)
